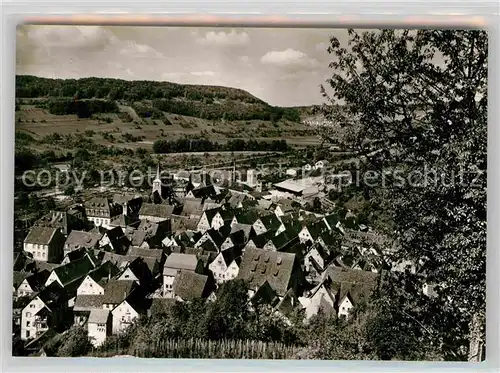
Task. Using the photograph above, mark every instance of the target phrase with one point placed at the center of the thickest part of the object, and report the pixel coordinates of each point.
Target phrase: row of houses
(117, 259)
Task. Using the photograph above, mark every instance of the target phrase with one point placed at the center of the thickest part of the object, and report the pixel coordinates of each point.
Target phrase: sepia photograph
(250, 193)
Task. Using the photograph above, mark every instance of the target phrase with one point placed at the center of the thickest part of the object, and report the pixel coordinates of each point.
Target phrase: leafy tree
(406, 113)
(74, 343)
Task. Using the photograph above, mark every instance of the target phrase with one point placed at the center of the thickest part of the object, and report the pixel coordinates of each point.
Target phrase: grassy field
(38, 122)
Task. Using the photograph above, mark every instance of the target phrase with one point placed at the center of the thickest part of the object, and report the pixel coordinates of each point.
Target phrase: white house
(345, 305)
(224, 267)
(45, 244)
(29, 328)
(123, 316)
(99, 326)
(89, 286)
(315, 255)
(174, 263)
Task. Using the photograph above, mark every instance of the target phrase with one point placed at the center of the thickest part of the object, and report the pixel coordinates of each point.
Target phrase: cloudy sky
(281, 66)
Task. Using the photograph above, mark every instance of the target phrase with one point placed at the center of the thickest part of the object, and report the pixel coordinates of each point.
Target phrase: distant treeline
(116, 89)
(83, 109)
(203, 145)
(207, 102)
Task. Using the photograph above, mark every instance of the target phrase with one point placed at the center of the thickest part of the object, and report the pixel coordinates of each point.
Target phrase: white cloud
(71, 36)
(140, 50)
(224, 39)
(289, 58)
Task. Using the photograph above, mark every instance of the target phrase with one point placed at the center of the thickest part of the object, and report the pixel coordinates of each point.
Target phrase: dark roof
(46, 265)
(246, 228)
(136, 237)
(19, 277)
(208, 245)
(231, 254)
(317, 229)
(76, 254)
(353, 276)
(141, 270)
(53, 295)
(116, 291)
(105, 271)
(161, 211)
(238, 238)
(78, 239)
(189, 285)
(75, 270)
(40, 235)
(54, 219)
(37, 280)
(265, 294)
(137, 252)
(271, 221)
(284, 239)
(121, 221)
(259, 265)
(261, 239)
(288, 303)
(247, 217)
(86, 302)
(116, 259)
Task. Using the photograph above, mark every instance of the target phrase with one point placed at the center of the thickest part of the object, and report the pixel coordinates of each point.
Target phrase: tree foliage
(414, 106)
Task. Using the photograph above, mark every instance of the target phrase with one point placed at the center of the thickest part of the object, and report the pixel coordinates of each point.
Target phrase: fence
(208, 349)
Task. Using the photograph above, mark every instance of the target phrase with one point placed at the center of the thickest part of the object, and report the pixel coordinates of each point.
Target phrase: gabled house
(84, 305)
(174, 263)
(116, 291)
(47, 309)
(31, 284)
(62, 220)
(226, 265)
(235, 239)
(192, 208)
(73, 256)
(99, 326)
(260, 241)
(139, 272)
(95, 281)
(282, 241)
(316, 259)
(281, 270)
(72, 272)
(114, 240)
(128, 311)
(155, 232)
(311, 232)
(155, 213)
(283, 207)
(245, 217)
(45, 244)
(100, 211)
(189, 285)
(267, 223)
(130, 205)
(154, 258)
(217, 237)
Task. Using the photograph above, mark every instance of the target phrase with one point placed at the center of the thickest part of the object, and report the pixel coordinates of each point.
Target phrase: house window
(28, 314)
(28, 323)
(27, 333)
(32, 306)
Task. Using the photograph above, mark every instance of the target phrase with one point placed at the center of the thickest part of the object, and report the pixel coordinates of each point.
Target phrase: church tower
(157, 182)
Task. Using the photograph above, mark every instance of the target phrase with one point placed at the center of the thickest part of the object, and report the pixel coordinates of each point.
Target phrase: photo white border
(275, 13)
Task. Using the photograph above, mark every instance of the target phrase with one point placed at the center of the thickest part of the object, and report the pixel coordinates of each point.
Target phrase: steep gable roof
(271, 221)
(258, 265)
(189, 285)
(116, 291)
(75, 270)
(98, 316)
(38, 279)
(88, 302)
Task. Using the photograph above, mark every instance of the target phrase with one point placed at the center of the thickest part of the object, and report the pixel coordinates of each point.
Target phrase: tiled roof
(271, 222)
(86, 302)
(181, 261)
(161, 211)
(145, 253)
(261, 239)
(37, 280)
(189, 285)
(98, 316)
(77, 239)
(259, 265)
(19, 277)
(117, 290)
(74, 270)
(40, 235)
